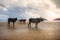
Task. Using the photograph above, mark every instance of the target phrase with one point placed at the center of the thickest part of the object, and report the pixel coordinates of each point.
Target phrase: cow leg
(36, 25)
(29, 24)
(23, 21)
(13, 24)
(8, 24)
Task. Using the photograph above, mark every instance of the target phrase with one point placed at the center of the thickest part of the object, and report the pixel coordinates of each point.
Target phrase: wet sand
(45, 31)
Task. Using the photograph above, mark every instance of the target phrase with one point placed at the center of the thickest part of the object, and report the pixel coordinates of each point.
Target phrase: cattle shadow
(11, 27)
(35, 29)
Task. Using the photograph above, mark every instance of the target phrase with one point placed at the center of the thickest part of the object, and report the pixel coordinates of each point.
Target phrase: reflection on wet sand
(45, 31)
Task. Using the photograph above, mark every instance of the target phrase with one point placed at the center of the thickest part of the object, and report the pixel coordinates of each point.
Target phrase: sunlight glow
(32, 8)
(51, 15)
(51, 11)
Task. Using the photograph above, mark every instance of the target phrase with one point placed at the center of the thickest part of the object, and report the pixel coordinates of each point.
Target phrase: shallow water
(45, 31)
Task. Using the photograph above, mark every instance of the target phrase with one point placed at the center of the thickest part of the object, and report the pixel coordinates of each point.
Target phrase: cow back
(12, 19)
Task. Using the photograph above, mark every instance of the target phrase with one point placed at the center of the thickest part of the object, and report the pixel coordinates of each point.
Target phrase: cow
(13, 20)
(22, 20)
(36, 21)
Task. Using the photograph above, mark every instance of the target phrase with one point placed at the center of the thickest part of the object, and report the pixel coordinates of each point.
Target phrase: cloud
(15, 11)
(28, 8)
(3, 18)
(57, 2)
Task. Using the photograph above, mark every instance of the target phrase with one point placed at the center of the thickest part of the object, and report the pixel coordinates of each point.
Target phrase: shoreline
(18, 23)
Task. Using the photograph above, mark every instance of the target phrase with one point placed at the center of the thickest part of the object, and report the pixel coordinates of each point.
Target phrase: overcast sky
(49, 9)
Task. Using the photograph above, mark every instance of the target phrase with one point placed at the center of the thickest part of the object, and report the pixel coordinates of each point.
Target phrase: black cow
(13, 20)
(36, 21)
(22, 20)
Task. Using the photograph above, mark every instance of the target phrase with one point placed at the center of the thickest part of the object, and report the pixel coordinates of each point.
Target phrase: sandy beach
(45, 31)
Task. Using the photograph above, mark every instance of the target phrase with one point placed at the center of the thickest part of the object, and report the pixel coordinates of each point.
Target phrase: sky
(49, 9)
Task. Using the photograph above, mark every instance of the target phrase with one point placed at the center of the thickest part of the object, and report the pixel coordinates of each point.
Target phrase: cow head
(42, 19)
